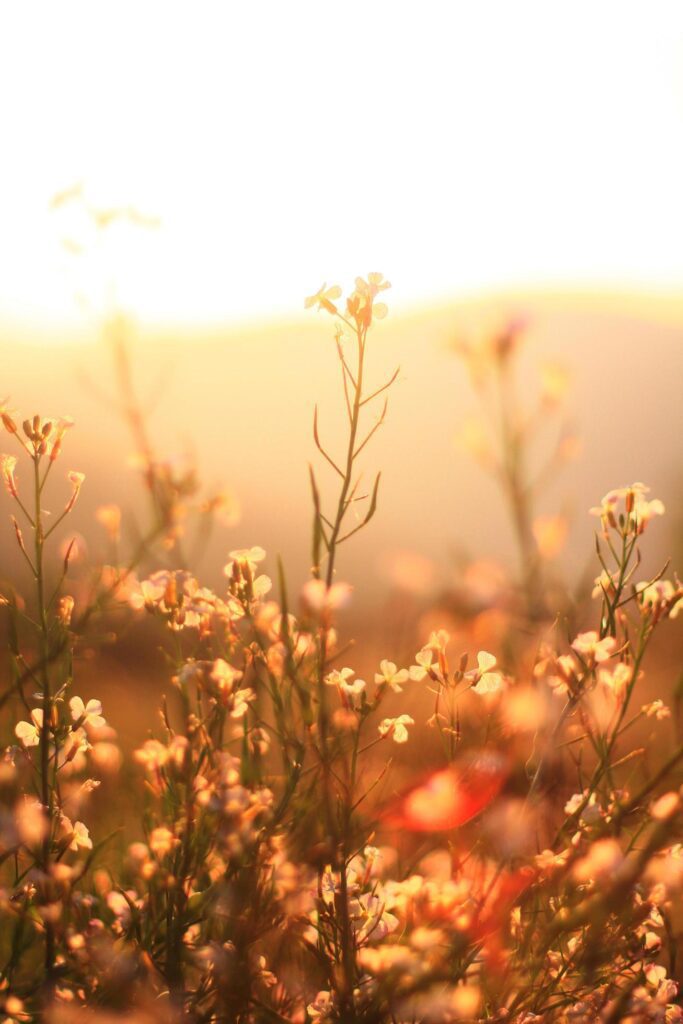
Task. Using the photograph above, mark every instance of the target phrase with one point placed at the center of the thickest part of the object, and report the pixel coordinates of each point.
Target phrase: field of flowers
(472, 835)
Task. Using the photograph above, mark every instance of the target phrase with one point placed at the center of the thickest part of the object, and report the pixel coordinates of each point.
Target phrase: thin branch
(320, 447)
(383, 388)
(368, 515)
(373, 431)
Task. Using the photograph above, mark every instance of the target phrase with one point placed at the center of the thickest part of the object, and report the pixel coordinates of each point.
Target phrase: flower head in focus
(389, 675)
(627, 508)
(29, 732)
(396, 728)
(86, 714)
(486, 681)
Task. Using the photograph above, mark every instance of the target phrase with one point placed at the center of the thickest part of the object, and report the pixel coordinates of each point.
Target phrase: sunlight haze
(456, 147)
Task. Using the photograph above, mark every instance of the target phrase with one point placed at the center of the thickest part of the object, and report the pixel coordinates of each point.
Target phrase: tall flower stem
(44, 641)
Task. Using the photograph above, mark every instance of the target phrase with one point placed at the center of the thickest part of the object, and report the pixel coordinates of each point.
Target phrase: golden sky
(240, 403)
(454, 146)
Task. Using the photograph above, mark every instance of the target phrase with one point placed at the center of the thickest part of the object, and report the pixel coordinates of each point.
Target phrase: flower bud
(9, 424)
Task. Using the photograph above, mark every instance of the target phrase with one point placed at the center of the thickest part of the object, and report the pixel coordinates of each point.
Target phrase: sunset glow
(340, 512)
(465, 147)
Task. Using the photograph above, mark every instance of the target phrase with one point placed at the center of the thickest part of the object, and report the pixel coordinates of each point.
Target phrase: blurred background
(192, 175)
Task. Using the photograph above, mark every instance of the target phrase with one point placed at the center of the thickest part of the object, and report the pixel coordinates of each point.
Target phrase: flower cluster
(476, 837)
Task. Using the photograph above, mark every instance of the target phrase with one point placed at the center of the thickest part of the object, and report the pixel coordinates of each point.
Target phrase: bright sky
(452, 145)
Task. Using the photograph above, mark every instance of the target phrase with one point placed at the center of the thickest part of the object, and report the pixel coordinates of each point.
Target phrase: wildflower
(616, 680)
(225, 676)
(7, 421)
(29, 732)
(547, 861)
(353, 689)
(324, 298)
(396, 728)
(89, 786)
(655, 974)
(592, 648)
(438, 641)
(652, 942)
(59, 428)
(375, 284)
(7, 466)
(486, 681)
(423, 665)
(119, 905)
(605, 583)
(152, 755)
(388, 675)
(241, 701)
(241, 568)
(587, 805)
(565, 677)
(81, 837)
(656, 709)
(637, 510)
(607, 507)
(341, 678)
(86, 714)
(177, 750)
(572, 805)
(75, 743)
(361, 304)
(370, 920)
(76, 835)
(177, 597)
(321, 1009)
(662, 596)
(76, 480)
(265, 976)
(249, 557)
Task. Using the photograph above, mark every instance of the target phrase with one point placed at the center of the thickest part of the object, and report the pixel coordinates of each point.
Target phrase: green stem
(47, 792)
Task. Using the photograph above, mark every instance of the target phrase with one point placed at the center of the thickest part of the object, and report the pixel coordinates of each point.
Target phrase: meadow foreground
(284, 855)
